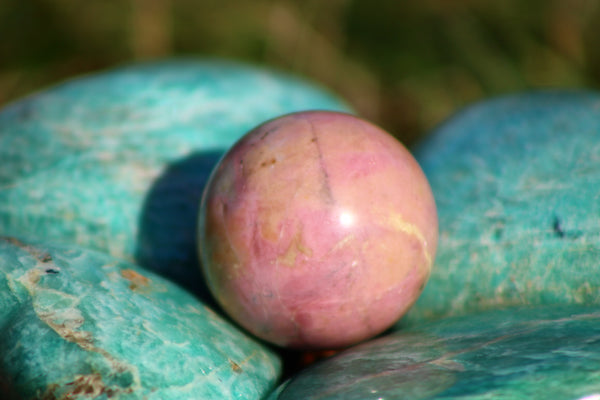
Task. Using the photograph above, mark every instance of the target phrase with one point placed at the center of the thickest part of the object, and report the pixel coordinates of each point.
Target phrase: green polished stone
(516, 181)
(512, 354)
(79, 324)
(117, 161)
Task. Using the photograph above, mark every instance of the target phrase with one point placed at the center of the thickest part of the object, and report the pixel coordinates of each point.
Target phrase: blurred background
(405, 65)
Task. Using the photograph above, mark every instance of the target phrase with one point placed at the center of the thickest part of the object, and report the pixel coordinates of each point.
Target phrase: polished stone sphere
(317, 230)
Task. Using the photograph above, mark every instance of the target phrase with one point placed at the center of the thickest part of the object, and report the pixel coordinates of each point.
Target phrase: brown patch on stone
(272, 161)
(235, 366)
(83, 339)
(88, 386)
(296, 248)
(39, 255)
(137, 280)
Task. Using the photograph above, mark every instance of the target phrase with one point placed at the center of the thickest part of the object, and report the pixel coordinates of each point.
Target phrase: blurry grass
(404, 65)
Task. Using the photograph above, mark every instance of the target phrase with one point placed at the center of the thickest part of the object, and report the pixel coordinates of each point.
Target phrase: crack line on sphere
(326, 183)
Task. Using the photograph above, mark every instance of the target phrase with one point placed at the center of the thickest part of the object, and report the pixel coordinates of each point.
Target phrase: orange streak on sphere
(317, 230)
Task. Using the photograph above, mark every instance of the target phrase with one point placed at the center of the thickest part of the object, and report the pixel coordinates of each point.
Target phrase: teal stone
(117, 161)
(79, 324)
(518, 354)
(517, 182)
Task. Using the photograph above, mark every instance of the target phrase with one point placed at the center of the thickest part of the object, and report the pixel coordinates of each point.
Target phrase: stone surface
(317, 230)
(117, 161)
(516, 181)
(516, 354)
(77, 324)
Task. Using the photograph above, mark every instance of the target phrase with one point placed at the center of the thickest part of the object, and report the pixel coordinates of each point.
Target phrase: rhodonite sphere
(317, 230)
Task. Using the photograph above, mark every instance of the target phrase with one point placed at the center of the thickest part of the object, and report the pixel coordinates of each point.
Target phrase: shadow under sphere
(167, 238)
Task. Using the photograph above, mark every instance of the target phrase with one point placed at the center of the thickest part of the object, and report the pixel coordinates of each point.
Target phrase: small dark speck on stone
(264, 135)
(267, 163)
(52, 271)
(557, 228)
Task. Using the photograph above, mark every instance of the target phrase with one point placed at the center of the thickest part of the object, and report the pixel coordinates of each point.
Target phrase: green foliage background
(405, 65)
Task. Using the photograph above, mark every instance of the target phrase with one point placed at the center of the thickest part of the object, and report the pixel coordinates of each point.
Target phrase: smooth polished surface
(117, 161)
(317, 230)
(516, 181)
(77, 324)
(517, 354)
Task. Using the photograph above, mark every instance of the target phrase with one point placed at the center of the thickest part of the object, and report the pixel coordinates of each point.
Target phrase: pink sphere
(317, 230)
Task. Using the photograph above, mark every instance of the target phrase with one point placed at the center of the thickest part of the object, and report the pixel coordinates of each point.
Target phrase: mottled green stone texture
(79, 324)
(517, 185)
(549, 352)
(117, 161)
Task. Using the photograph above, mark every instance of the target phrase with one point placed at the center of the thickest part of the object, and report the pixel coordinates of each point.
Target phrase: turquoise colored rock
(516, 182)
(117, 161)
(79, 324)
(517, 354)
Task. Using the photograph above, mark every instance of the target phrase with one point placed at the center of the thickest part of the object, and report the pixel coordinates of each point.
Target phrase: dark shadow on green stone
(7, 391)
(166, 241)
